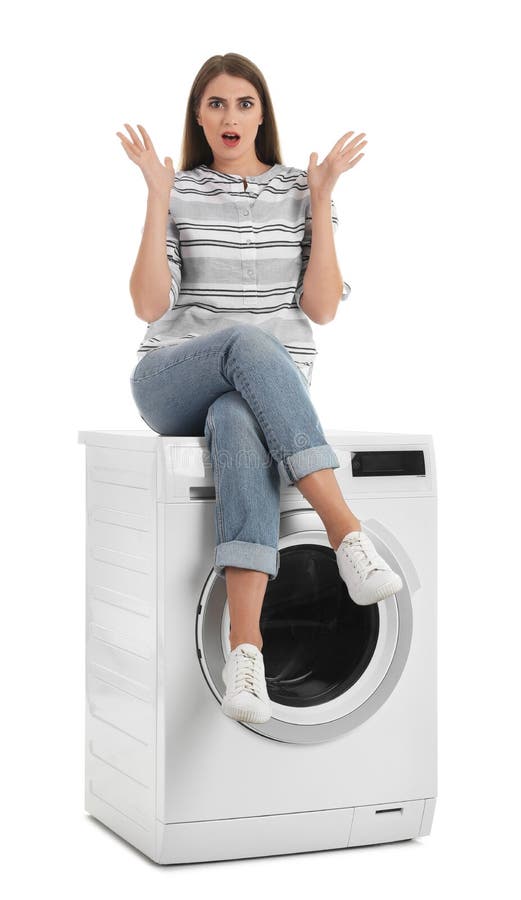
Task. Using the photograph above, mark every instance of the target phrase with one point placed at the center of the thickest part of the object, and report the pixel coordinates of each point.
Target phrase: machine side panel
(120, 631)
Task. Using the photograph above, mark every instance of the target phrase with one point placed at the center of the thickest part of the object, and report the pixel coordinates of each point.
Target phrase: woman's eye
(243, 101)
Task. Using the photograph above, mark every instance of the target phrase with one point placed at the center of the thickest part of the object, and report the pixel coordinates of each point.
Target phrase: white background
(428, 342)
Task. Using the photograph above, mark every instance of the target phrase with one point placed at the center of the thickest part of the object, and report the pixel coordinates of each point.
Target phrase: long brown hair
(195, 148)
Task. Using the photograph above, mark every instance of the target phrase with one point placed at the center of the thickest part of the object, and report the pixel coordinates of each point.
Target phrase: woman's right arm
(151, 277)
(150, 280)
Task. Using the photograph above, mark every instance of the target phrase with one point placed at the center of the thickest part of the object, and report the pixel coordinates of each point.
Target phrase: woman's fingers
(352, 149)
(342, 139)
(353, 162)
(136, 143)
(129, 148)
(146, 140)
(130, 153)
(125, 139)
(135, 137)
(352, 145)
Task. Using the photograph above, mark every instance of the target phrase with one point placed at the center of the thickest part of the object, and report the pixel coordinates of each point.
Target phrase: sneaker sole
(381, 593)
(244, 715)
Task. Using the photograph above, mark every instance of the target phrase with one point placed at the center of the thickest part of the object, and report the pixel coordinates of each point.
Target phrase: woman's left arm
(323, 283)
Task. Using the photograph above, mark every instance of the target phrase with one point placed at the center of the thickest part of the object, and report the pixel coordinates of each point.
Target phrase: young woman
(229, 349)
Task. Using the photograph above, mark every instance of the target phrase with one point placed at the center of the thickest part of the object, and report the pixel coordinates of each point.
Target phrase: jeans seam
(218, 506)
(265, 425)
(287, 463)
(177, 362)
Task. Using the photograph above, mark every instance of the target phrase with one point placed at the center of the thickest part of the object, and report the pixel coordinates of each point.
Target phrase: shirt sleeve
(306, 251)
(175, 260)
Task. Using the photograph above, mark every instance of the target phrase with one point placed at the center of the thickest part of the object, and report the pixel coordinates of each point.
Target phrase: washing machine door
(329, 663)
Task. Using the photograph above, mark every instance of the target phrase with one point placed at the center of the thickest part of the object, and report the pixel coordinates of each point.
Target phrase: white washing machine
(349, 756)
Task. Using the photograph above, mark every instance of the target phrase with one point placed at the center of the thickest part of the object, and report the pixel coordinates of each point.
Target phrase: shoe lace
(247, 673)
(361, 557)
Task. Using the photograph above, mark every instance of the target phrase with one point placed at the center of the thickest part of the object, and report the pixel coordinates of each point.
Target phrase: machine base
(257, 836)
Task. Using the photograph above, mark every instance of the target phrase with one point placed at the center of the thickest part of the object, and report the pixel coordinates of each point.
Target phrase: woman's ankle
(235, 640)
(336, 536)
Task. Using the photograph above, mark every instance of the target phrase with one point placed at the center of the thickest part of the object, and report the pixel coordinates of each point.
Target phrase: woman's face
(230, 104)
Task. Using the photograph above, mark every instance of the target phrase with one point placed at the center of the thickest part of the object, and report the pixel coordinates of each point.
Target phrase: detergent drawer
(386, 822)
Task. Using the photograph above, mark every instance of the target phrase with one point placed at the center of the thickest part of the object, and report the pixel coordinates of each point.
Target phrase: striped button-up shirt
(238, 250)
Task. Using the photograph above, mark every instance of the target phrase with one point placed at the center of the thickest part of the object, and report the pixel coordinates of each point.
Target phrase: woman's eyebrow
(224, 98)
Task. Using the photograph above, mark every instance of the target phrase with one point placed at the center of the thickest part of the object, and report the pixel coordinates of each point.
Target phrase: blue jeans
(240, 388)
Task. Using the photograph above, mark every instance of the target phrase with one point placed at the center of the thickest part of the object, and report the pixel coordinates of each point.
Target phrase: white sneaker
(246, 697)
(368, 577)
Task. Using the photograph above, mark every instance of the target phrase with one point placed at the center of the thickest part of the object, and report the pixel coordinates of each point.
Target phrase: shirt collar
(257, 179)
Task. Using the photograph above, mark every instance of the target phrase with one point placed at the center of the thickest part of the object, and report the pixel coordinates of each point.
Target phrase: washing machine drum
(316, 641)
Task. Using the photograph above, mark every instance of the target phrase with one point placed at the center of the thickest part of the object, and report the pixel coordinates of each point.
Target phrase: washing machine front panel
(376, 748)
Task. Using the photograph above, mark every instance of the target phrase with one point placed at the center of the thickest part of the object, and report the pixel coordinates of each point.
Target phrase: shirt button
(245, 212)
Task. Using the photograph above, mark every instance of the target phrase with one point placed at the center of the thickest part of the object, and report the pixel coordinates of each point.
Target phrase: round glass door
(316, 642)
(329, 663)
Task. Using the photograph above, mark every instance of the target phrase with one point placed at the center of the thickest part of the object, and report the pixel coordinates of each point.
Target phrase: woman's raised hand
(160, 179)
(322, 178)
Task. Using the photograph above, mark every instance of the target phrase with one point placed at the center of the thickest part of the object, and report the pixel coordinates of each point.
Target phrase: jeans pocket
(139, 365)
(305, 369)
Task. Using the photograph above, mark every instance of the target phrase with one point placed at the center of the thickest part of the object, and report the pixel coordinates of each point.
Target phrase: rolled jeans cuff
(303, 462)
(247, 555)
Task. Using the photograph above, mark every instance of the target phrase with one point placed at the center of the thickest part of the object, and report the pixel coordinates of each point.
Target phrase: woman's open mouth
(230, 139)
